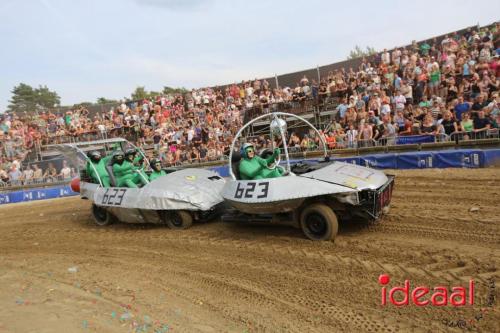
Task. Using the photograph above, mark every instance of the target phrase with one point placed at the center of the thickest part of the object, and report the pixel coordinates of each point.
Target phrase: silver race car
(313, 195)
(175, 199)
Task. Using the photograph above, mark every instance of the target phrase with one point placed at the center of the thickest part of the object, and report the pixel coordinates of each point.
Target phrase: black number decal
(250, 189)
(115, 198)
(264, 191)
(111, 197)
(105, 197)
(123, 191)
(239, 192)
(248, 192)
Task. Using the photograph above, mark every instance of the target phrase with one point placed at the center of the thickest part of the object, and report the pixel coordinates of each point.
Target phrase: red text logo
(422, 295)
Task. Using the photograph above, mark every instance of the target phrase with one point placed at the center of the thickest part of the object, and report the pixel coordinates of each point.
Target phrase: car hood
(350, 175)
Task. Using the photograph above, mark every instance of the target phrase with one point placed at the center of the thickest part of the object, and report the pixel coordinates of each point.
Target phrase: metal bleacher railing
(11, 185)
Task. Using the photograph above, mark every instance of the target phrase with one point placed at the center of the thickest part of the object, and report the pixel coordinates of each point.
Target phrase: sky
(86, 49)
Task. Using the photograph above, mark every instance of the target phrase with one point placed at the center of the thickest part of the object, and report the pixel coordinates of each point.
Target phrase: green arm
(272, 158)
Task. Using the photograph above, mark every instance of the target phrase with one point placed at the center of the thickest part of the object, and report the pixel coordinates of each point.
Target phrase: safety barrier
(459, 158)
(36, 194)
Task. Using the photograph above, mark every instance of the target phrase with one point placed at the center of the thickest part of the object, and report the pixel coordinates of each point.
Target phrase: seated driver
(256, 167)
(123, 170)
(96, 168)
(139, 176)
(157, 171)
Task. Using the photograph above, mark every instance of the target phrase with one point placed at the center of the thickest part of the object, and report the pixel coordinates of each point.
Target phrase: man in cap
(255, 167)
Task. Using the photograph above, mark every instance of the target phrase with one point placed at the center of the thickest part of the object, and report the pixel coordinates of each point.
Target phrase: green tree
(139, 93)
(23, 99)
(46, 99)
(83, 104)
(29, 100)
(358, 52)
(103, 100)
(171, 91)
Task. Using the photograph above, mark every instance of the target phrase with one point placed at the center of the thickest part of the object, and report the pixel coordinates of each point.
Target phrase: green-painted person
(123, 170)
(157, 171)
(96, 168)
(140, 176)
(256, 167)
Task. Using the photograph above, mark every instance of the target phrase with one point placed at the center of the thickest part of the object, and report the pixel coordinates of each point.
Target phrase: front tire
(179, 219)
(319, 222)
(101, 216)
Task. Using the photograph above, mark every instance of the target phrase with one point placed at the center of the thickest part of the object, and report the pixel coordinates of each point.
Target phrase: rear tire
(179, 219)
(101, 216)
(319, 222)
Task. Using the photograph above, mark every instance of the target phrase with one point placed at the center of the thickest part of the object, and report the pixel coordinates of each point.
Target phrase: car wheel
(319, 222)
(101, 216)
(178, 219)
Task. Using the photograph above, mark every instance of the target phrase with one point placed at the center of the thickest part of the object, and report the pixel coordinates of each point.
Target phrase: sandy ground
(60, 273)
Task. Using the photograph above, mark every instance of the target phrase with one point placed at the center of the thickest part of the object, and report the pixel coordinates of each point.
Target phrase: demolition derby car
(311, 194)
(175, 199)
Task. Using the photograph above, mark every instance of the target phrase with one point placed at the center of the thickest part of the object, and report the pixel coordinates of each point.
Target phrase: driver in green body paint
(123, 171)
(99, 169)
(157, 171)
(255, 167)
(139, 177)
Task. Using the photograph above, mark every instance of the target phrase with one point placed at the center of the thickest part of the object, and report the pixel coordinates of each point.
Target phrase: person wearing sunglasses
(255, 167)
(157, 171)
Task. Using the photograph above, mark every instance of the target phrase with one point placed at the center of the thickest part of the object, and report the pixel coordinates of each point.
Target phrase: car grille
(374, 201)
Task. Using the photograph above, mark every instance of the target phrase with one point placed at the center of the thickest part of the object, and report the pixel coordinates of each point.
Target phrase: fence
(49, 180)
(36, 194)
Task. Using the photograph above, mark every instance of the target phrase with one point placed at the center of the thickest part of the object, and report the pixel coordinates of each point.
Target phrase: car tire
(319, 222)
(102, 216)
(180, 219)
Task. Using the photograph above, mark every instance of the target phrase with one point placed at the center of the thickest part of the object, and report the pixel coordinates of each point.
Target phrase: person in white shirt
(352, 137)
(27, 175)
(386, 57)
(399, 101)
(65, 171)
(385, 109)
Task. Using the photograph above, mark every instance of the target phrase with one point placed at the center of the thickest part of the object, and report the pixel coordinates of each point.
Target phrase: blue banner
(453, 158)
(406, 140)
(36, 194)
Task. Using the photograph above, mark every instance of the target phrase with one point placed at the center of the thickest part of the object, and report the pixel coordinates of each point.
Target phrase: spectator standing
(37, 173)
(65, 171)
(461, 108)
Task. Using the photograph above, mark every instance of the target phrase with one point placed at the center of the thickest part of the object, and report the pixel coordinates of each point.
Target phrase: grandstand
(409, 98)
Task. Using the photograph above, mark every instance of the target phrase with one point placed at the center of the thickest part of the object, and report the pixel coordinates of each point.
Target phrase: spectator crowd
(447, 89)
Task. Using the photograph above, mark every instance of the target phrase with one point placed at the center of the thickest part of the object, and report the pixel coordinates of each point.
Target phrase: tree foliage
(358, 52)
(141, 93)
(104, 100)
(171, 91)
(31, 100)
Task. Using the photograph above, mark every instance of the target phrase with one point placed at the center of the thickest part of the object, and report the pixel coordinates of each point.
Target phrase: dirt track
(252, 278)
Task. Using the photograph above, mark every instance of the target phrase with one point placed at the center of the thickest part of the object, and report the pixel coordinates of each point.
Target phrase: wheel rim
(316, 224)
(176, 220)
